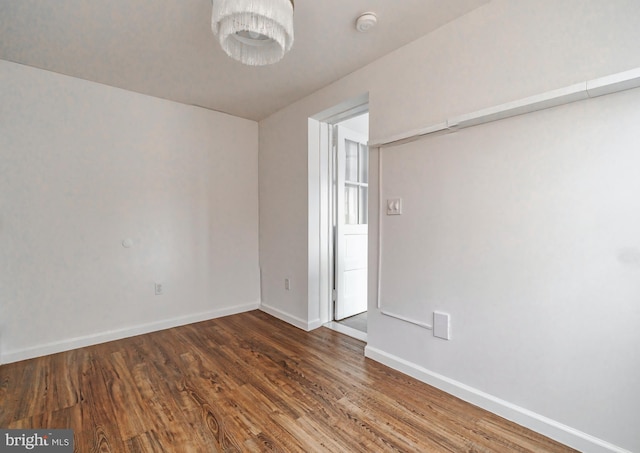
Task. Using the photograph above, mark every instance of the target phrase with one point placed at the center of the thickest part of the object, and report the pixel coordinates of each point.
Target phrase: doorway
(324, 250)
(351, 217)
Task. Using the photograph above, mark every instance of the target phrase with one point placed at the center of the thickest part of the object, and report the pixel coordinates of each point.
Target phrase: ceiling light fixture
(254, 32)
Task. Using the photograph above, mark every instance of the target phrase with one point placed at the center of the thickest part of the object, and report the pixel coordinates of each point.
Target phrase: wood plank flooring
(245, 383)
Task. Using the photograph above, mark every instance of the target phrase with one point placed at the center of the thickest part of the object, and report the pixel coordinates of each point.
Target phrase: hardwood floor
(245, 383)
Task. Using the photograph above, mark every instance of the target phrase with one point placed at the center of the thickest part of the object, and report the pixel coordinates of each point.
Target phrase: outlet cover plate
(441, 325)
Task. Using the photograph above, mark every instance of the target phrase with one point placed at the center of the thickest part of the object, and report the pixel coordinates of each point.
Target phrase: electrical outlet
(159, 289)
(441, 325)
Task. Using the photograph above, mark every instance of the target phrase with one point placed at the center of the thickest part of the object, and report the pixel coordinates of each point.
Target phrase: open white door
(352, 188)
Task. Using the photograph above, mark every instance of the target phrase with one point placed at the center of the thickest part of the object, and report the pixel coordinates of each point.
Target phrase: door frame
(321, 205)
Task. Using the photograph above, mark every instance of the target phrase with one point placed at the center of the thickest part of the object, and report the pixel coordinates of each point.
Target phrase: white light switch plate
(394, 206)
(441, 325)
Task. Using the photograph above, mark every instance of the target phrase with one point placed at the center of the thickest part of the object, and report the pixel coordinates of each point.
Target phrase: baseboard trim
(536, 422)
(293, 320)
(118, 334)
(314, 324)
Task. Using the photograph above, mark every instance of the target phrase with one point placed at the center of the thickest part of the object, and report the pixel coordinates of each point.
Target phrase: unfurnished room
(307, 226)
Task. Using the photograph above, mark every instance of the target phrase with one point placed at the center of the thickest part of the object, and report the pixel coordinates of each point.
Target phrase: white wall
(83, 167)
(526, 232)
(503, 51)
(283, 227)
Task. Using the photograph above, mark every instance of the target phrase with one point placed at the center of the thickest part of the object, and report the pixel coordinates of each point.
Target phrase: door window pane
(350, 205)
(363, 164)
(351, 164)
(363, 202)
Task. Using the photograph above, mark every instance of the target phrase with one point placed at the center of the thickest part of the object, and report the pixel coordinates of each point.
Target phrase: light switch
(441, 325)
(394, 206)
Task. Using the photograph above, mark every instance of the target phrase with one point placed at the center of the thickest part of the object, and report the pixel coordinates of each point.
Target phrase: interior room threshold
(350, 331)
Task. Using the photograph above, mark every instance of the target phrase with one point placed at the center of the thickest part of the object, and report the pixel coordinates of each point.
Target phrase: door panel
(351, 223)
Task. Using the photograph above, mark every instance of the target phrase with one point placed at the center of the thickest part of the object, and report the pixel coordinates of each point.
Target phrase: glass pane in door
(363, 164)
(351, 162)
(363, 217)
(351, 208)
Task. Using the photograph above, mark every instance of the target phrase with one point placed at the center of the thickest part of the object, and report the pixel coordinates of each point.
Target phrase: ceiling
(165, 48)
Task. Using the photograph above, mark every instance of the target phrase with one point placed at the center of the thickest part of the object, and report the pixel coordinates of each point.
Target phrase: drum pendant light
(254, 32)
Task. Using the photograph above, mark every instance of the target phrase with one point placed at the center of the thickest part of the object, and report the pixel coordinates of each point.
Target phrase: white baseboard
(118, 334)
(293, 320)
(536, 422)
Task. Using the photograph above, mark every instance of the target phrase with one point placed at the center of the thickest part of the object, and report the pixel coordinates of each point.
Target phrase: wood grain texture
(245, 383)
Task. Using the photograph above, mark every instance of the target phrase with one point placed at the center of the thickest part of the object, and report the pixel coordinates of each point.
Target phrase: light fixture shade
(254, 32)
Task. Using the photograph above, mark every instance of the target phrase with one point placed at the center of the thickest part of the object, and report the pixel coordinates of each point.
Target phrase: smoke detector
(366, 22)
